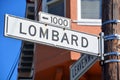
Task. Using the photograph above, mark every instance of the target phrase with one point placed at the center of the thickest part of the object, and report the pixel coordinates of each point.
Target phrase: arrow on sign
(81, 66)
(45, 18)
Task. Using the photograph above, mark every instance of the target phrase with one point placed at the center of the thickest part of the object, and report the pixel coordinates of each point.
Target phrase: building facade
(51, 63)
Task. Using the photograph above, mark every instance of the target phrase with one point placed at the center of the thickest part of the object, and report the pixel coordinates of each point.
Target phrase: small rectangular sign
(54, 20)
(81, 66)
(37, 32)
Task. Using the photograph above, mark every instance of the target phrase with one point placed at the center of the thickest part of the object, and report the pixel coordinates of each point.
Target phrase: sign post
(37, 32)
(81, 66)
(111, 29)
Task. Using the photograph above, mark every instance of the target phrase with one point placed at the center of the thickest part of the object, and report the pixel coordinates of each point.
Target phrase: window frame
(45, 5)
(81, 21)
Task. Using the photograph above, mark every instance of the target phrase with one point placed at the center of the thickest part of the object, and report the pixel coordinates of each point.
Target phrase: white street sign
(54, 20)
(37, 32)
(81, 66)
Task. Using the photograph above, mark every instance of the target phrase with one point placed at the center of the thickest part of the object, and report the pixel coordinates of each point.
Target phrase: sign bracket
(103, 55)
(102, 48)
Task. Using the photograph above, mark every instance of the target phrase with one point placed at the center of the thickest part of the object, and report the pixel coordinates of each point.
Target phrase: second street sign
(81, 66)
(37, 32)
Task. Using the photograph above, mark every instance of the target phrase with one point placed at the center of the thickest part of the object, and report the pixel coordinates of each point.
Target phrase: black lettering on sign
(43, 34)
(60, 21)
(76, 70)
(65, 38)
(73, 72)
(65, 23)
(74, 39)
(21, 29)
(83, 63)
(84, 42)
(32, 30)
(55, 20)
(55, 35)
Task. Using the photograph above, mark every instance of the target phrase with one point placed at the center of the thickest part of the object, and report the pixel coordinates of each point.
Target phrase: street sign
(54, 20)
(81, 66)
(37, 32)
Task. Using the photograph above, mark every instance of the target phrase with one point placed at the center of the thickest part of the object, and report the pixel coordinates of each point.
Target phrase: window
(56, 7)
(30, 11)
(89, 12)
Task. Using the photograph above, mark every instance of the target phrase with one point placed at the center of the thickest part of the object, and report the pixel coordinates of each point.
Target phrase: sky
(9, 48)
